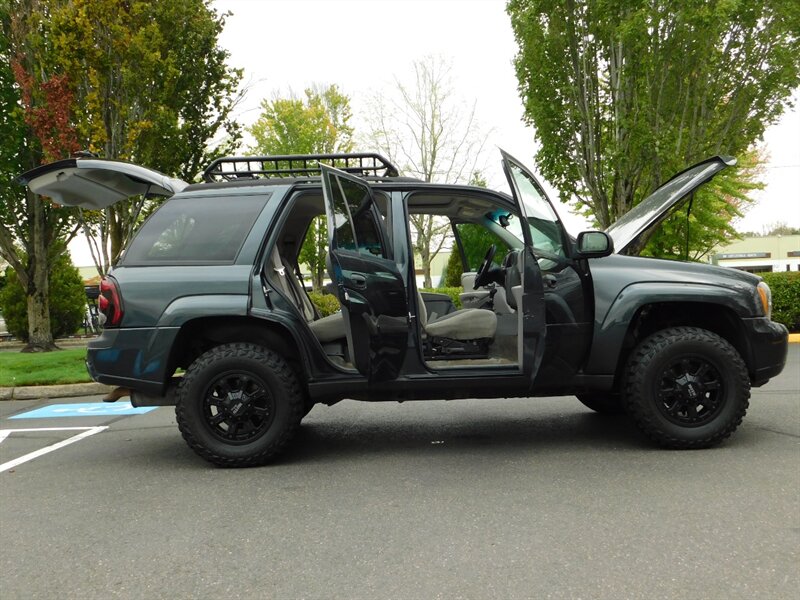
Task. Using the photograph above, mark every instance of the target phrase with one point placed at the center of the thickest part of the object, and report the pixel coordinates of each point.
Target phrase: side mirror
(594, 244)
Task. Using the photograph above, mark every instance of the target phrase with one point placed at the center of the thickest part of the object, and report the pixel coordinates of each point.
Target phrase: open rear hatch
(95, 183)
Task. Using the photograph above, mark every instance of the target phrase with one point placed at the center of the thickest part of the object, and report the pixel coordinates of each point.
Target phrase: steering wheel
(482, 276)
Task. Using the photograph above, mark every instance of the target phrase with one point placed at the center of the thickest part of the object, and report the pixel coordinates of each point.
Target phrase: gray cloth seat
(326, 329)
(329, 329)
(463, 324)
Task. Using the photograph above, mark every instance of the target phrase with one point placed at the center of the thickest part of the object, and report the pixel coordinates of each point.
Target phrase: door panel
(368, 282)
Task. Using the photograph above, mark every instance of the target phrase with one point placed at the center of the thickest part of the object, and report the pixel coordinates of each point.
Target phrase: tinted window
(545, 228)
(195, 230)
(354, 226)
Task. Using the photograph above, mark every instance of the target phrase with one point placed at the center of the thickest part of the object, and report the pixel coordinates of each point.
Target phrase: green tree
(317, 124)
(67, 299)
(152, 86)
(625, 94)
(35, 114)
(475, 240)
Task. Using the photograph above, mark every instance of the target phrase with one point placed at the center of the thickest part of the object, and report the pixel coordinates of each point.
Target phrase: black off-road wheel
(686, 388)
(238, 405)
(605, 403)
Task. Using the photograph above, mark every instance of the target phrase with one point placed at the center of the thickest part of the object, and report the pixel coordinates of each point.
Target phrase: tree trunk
(40, 336)
(115, 233)
(425, 258)
(317, 278)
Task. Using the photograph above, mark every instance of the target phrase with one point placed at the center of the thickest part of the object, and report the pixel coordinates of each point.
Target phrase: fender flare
(610, 329)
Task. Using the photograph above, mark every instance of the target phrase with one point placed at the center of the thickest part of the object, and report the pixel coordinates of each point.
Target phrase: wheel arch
(654, 317)
(199, 335)
(634, 316)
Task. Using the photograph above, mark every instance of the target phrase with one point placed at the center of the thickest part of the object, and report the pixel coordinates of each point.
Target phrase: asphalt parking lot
(529, 498)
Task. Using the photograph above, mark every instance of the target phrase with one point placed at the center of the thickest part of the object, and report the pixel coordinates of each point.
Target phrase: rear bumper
(768, 345)
(132, 358)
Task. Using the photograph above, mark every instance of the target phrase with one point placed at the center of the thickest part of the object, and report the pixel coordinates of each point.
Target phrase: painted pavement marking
(87, 431)
(87, 409)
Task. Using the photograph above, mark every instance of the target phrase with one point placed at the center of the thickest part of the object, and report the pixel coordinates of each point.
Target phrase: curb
(39, 392)
(794, 338)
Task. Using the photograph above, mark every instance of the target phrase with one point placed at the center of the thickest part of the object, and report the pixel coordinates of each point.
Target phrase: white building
(760, 254)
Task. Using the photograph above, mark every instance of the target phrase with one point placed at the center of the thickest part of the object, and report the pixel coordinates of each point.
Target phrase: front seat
(462, 325)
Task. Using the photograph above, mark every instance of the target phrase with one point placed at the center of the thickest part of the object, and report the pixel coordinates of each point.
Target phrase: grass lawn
(43, 368)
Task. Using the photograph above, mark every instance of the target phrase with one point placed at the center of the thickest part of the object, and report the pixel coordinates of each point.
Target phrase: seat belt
(281, 271)
(303, 285)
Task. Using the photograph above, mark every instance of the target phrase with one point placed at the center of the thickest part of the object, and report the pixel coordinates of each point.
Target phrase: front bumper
(768, 344)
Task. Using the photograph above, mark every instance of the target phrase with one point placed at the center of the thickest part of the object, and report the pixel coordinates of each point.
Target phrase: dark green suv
(211, 284)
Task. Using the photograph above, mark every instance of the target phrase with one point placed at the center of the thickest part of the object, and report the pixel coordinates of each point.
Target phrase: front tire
(238, 405)
(686, 388)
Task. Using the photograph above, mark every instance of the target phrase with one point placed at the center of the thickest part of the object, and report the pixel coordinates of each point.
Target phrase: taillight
(109, 301)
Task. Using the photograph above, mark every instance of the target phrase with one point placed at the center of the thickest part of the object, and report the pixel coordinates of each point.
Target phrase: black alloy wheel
(691, 391)
(686, 387)
(238, 407)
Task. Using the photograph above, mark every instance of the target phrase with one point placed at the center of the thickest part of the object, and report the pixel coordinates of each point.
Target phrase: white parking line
(87, 431)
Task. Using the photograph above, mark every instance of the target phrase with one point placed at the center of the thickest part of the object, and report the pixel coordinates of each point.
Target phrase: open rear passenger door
(368, 282)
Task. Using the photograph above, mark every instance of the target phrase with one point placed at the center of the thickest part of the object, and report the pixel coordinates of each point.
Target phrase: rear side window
(208, 230)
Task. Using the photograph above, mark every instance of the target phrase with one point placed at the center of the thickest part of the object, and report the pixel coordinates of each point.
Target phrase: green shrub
(67, 300)
(785, 298)
(453, 292)
(326, 304)
(453, 269)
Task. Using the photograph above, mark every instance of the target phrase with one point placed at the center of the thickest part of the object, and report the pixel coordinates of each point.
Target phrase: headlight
(765, 295)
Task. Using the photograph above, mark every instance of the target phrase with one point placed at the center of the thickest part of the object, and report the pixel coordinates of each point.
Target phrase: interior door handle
(358, 280)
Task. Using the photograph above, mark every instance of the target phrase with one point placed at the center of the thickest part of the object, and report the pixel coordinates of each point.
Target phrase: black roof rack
(232, 168)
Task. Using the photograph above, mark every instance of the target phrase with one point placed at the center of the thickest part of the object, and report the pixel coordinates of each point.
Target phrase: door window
(544, 227)
(354, 226)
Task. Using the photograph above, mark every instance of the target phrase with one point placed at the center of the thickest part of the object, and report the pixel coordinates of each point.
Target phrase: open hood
(659, 205)
(96, 183)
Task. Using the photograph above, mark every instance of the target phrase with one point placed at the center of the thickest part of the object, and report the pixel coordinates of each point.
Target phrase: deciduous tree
(151, 86)
(430, 134)
(316, 124)
(625, 94)
(35, 126)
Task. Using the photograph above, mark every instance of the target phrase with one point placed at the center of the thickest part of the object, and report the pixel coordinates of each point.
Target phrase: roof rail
(231, 168)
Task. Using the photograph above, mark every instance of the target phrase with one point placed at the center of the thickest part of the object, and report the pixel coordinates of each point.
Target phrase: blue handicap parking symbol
(87, 409)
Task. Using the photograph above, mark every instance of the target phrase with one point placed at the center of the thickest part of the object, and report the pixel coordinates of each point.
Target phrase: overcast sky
(362, 46)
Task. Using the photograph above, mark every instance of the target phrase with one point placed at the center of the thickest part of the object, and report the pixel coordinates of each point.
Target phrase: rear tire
(686, 388)
(605, 403)
(238, 405)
